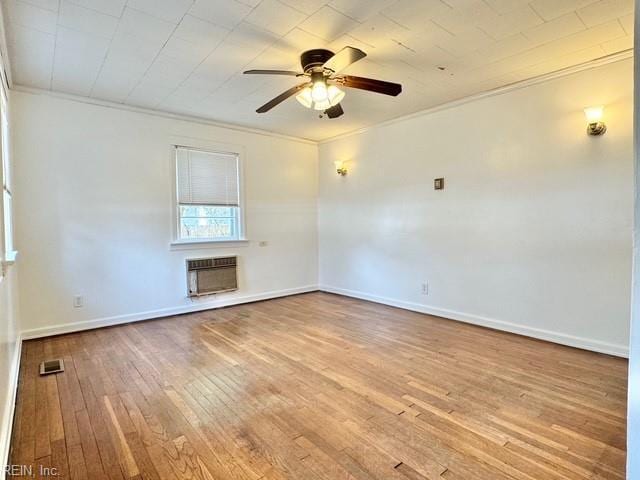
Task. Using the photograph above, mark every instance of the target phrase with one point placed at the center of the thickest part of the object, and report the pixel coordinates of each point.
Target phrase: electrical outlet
(78, 301)
(425, 288)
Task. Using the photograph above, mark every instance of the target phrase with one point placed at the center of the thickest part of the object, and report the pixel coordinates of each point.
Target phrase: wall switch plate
(438, 184)
(78, 301)
(425, 288)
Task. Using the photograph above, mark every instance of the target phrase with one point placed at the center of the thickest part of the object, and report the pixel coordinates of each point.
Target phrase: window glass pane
(207, 211)
(8, 230)
(208, 222)
(6, 174)
(4, 139)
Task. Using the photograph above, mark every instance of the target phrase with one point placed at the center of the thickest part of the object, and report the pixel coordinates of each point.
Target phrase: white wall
(9, 318)
(9, 352)
(9, 347)
(532, 233)
(533, 230)
(93, 208)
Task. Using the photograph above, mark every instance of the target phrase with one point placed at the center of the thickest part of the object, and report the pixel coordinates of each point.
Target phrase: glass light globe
(335, 95)
(323, 105)
(319, 92)
(593, 114)
(305, 98)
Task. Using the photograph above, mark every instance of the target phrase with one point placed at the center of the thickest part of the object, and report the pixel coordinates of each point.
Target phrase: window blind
(207, 178)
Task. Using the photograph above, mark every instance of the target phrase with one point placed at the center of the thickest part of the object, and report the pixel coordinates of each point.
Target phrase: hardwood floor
(318, 386)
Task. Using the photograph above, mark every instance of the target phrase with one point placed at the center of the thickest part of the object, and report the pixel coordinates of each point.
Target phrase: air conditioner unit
(211, 275)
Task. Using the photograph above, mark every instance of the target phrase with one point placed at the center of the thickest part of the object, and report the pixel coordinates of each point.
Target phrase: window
(9, 254)
(208, 195)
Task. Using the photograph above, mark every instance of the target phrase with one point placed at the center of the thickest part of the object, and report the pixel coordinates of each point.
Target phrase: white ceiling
(186, 56)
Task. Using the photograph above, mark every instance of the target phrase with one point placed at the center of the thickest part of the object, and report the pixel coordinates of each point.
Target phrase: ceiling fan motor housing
(314, 58)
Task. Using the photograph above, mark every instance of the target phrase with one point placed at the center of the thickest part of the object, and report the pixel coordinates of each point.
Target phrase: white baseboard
(7, 422)
(197, 306)
(556, 337)
(548, 335)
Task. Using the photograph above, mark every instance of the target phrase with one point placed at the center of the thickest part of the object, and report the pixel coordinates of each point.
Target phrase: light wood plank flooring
(319, 386)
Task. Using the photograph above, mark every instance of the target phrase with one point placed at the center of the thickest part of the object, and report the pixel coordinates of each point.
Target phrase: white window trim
(207, 146)
(7, 257)
(199, 244)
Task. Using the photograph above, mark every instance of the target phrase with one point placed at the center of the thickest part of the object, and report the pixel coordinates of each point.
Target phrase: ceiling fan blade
(335, 111)
(377, 86)
(344, 58)
(281, 98)
(273, 72)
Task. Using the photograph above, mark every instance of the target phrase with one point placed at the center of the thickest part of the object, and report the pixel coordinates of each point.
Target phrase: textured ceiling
(186, 56)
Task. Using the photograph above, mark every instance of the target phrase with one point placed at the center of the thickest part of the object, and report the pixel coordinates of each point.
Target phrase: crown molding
(158, 113)
(616, 57)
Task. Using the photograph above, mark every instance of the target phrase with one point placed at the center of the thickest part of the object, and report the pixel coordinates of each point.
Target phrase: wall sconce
(340, 167)
(594, 118)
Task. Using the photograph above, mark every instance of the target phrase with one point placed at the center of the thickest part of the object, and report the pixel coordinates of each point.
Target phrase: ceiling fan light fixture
(321, 105)
(304, 97)
(319, 91)
(333, 96)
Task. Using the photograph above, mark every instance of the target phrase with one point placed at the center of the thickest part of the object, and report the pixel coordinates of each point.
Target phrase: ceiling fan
(320, 91)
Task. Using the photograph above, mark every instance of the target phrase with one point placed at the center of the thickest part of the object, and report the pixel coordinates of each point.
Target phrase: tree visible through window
(203, 221)
(208, 195)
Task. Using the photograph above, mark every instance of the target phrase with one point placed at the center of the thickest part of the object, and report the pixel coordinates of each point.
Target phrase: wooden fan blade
(335, 111)
(272, 72)
(344, 58)
(377, 86)
(281, 98)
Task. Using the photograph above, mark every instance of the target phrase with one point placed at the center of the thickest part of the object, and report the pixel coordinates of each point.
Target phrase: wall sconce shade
(594, 118)
(340, 168)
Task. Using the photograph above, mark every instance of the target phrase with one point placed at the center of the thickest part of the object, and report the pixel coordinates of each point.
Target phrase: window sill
(202, 244)
(10, 257)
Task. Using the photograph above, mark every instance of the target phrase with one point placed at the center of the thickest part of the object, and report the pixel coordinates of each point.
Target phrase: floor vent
(51, 366)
